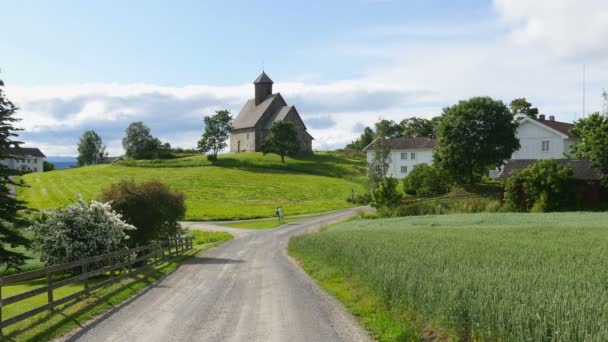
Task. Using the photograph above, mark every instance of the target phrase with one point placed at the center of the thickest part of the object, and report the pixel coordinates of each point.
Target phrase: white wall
(531, 137)
(33, 164)
(423, 156)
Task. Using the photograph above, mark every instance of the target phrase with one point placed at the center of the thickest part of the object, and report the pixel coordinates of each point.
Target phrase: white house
(24, 158)
(406, 153)
(543, 139)
(546, 139)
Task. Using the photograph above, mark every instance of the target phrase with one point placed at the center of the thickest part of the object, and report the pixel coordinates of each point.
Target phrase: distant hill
(61, 162)
(237, 186)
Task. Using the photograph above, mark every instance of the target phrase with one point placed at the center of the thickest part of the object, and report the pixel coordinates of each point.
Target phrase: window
(35, 161)
(247, 136)
(28, 161)
(35, 169)
(404, 169)
(545, 146)
(413, 155)
(403, 155)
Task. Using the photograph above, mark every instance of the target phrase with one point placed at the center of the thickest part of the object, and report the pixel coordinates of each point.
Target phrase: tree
(151, 207)
(10, 221)
(365, 139)
(139, 143)
(419, 128)
(282, 139)
(217, 129)
(425, 181)
(386, 194)
(592, 144)
(48, 166)
(473, 136)
(81, 230)
(381, 158)
(91, 149)
(390, 128)
(542, 186)
(521, 108)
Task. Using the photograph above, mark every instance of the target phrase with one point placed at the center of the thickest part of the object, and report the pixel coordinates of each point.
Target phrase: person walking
(280, 213)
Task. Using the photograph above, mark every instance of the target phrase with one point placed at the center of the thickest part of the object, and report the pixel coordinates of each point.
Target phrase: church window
(247, 136)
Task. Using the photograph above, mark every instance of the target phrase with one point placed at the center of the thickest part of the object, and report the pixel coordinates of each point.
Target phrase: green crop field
(520, 277)
(247, 185)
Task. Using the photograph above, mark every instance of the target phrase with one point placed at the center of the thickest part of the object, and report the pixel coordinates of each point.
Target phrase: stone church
(251, 126)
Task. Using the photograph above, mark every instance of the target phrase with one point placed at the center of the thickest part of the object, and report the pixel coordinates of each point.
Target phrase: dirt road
(245, 290)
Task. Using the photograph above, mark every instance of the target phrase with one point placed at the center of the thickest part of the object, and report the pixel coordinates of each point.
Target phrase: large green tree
(521, 108)
(10, 220)
(282, 139)
(592, 134)
(139, 142)
(474, 136)
(390, 128)
(91, 149)
(217, 130)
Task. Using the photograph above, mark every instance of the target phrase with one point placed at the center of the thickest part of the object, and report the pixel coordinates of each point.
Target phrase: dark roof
(26, 151)
(250, 114)
(562, 127)
(582, 168)
(406, 143)
(263, 78)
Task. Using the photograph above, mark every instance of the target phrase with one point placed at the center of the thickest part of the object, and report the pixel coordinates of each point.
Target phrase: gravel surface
(247, 289)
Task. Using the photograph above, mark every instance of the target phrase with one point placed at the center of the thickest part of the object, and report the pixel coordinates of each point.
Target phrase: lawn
(267, 223)
(521, 277)
(47, 325)
(247, 185)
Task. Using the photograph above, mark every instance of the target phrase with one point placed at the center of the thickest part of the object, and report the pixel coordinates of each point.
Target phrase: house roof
(250, 114)
(561, 127)
(402, 143)
(263, 78)
(26, 151)
(582, 168)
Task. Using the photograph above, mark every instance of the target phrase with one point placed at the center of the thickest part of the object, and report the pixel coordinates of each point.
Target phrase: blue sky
(343, 64)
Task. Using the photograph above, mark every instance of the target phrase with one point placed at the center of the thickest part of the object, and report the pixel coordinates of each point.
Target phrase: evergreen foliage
(10, 221)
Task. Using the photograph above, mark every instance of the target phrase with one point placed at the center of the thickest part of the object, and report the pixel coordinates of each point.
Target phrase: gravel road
(247, 289)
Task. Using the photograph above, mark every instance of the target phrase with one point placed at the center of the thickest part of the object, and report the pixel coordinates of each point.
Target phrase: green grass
(267, 223)
(247, 185)
(514, 277)
(47, 325)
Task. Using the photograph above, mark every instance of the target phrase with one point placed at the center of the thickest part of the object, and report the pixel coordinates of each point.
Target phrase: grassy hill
(245, 185)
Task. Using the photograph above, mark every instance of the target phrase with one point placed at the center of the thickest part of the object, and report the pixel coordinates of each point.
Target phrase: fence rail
(119, 265)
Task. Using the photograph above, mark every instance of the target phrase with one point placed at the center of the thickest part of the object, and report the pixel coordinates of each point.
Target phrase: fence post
(85, 276)
(1, 306)
(49, 286)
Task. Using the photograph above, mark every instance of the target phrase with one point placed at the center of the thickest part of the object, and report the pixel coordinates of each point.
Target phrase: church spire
(263, 88)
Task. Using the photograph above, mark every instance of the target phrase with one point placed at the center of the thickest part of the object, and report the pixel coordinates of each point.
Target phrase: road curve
(247, 289)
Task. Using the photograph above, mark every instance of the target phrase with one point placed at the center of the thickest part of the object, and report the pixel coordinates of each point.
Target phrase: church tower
(263, 88)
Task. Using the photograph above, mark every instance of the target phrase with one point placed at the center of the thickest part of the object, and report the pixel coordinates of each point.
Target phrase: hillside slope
(247, 185)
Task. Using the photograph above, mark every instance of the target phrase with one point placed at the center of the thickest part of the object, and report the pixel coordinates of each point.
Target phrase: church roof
(250, 114)
(263, 78)
(279, 116)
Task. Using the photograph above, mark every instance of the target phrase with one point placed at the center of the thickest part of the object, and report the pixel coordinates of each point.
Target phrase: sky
(73, 66)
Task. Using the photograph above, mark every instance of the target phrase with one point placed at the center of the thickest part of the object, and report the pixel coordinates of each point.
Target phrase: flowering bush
(78, 231)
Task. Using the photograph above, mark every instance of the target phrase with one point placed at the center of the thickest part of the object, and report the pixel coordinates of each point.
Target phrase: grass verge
(67, 317)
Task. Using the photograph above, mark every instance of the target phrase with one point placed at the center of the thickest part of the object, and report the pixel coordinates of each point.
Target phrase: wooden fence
(118, 265)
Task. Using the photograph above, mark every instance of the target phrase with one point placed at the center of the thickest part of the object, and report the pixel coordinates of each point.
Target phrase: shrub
(443, 206)
(386, 194)
(78, 231)
(425, 181)
(149, 206)
(546, 182)
(364, 198)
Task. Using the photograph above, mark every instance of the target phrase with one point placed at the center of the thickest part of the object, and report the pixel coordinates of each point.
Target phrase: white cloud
(574, 29)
